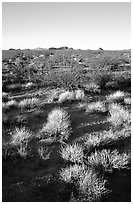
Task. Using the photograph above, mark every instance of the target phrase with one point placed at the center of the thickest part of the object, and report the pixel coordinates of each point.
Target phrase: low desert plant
(28, 103)
(72, 153)
(117, 96)
(127, 101)
(96, 107)
(20, 138)
(79, 94)
(89, 186)
(92, 88)
(118, 115)
(58, 125)
(71, 173)
(66, 96)
(108, 160)
(106, 137)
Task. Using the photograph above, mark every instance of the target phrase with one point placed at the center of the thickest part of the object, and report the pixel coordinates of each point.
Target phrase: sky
(80, 25)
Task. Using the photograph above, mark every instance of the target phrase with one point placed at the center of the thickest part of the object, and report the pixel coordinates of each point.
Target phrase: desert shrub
(72, 153)
(79, 94)
(117, 96)
(28, 103)
(66, 96)
(92, 88)
(53, 96)
(20, 139)
(118, 115)
(108, 160)
(96, 107)
(112, 85)
(97, 139)
(89, 186)
(92, 140)
(127, 101)
(58, 125)
(71, 96)
(106, 137)
(71, 173)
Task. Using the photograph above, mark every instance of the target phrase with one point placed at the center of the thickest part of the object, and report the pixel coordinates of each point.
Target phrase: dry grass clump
(66, 96)
(53, 95)
(118, 115)
(79, 94)
(96, 107)
(89, 186)
(117, 96)
(107, 160)
(127, 101)
(72, 153)
(71, 173)
(20, 139)
(71, 96)
(106, 137)
(97, 139)
(58, 125)
(29, 103)
(92, 88)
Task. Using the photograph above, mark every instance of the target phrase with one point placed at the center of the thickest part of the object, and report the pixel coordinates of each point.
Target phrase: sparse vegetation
(66, 96)
(127, 101)
(118, 115)
(72, 153)
(92, 88)
(58, 125)
(20, 139)
(116, 97)
(28, 103)
(107, 160)
(66, 125)
(96, 107)
(89, 186)
(79, 94)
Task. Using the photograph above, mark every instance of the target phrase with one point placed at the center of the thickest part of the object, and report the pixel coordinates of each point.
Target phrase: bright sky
(79, 25)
